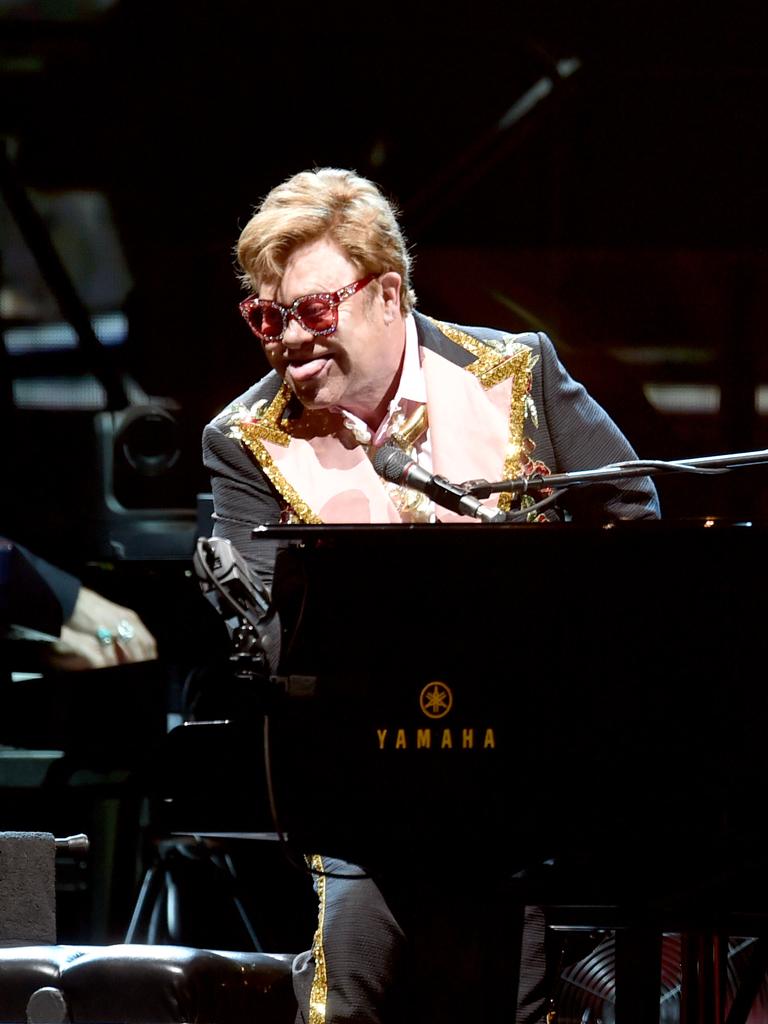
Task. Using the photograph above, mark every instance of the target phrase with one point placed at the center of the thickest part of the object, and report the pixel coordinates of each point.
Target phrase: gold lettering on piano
(467, 738)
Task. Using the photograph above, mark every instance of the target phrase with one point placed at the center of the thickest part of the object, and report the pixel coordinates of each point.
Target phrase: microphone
(396, 466)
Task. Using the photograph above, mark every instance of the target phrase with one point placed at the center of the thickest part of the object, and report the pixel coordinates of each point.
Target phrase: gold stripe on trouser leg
(318, 996)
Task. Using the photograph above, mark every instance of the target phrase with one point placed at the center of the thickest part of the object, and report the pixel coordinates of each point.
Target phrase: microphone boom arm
(616, 471)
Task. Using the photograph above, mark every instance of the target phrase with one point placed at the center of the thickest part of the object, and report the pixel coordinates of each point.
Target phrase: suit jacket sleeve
(243, 499)
(583, 436)
(33, 592)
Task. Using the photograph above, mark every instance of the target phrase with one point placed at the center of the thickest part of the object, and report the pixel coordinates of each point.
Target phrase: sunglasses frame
(288, 313)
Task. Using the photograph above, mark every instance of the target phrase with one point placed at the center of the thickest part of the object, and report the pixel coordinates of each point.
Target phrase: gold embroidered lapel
(497, 361)
(265, 423)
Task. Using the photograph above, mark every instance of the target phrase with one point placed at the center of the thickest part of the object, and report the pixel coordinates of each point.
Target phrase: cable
(282, 836)
(521, 514)
(685, 467)
(291, 640)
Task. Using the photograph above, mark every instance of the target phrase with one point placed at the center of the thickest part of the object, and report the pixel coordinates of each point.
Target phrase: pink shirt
(410, 395)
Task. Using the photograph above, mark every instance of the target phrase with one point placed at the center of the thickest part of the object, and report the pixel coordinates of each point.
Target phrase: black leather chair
(141, 984)
(44, 982)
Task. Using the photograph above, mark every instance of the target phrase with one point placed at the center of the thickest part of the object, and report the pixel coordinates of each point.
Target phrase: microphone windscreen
(391, 463)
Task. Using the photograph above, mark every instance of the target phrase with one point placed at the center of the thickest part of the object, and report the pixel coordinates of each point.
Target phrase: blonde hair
(325, 202)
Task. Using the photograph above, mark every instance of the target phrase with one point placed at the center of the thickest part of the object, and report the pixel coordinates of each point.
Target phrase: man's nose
(295, 334)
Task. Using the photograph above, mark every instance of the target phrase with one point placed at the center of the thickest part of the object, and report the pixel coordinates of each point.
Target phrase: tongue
(303, 371)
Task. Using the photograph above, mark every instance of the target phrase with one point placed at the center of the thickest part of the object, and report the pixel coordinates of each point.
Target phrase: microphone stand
(708, 464)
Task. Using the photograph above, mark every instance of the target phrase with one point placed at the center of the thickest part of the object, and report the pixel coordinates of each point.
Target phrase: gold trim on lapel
(248, 425)
(519, 405)
(495, 363)
(291, 496)
(318, 996)
(266, 427)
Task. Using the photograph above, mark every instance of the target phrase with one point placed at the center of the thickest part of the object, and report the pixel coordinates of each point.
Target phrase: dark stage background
(598, 170)
(594, 169)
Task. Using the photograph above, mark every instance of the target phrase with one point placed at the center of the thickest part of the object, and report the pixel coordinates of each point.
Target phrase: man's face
(355, 367)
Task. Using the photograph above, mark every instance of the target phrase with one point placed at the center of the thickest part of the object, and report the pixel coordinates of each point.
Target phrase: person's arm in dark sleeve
(243, 499)
(40, 596)
(585, 437)
(34, 593)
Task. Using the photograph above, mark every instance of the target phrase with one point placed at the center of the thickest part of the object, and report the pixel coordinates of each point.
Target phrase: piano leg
(704, 979)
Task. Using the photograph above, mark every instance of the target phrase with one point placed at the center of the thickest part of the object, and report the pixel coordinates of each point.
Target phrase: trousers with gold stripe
(433, 946)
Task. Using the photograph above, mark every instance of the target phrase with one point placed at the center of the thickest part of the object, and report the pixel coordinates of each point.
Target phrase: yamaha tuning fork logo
(436, 700)
(436, 704)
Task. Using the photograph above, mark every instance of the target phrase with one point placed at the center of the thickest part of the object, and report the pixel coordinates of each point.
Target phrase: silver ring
(104, 636)
(125, 631)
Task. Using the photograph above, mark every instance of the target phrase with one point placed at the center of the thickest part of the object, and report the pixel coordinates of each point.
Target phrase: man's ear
(390, 290)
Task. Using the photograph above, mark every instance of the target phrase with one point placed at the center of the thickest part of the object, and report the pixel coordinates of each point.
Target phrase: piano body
(591, 696)
(578, 709)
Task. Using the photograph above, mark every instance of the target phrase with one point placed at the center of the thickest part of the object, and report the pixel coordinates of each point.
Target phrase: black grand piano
(579, 708)
(567, 690)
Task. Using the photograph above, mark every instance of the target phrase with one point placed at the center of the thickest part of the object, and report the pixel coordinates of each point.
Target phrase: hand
(101, 634)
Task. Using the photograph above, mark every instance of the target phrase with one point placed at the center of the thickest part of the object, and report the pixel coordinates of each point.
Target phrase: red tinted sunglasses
(317, 314)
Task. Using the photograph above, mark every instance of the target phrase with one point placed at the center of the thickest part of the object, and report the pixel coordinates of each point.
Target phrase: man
(354, 368)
